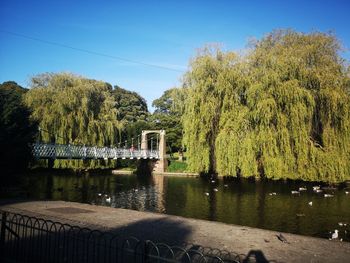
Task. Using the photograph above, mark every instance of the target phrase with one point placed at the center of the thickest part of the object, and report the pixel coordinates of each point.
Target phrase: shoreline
(113, 171)
(179, 174)
(125, 172)
(175, 230)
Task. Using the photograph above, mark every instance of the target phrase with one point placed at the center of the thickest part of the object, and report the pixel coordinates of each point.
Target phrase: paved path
(175, 230)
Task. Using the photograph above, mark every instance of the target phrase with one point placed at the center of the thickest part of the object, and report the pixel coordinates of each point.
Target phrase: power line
(88, 51)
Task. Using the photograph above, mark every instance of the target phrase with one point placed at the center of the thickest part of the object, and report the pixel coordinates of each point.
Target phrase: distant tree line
(64, 108)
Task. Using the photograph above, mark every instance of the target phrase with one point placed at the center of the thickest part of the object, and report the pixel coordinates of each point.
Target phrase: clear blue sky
(163, 33)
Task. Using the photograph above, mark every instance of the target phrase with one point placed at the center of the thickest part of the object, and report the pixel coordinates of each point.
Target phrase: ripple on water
(268, 205)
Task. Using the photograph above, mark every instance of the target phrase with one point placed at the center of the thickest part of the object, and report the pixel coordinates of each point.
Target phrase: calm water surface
(242, 203)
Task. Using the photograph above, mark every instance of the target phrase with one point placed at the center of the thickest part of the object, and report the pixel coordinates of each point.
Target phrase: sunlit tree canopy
(282, 110)
(72, 109)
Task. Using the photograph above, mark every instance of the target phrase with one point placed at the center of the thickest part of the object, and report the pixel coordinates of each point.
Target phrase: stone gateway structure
(162, 163)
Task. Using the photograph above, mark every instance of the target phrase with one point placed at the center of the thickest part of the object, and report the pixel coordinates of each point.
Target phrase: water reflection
(234, 202)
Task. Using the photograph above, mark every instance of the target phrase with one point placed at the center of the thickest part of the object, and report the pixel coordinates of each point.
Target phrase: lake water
(235, 202)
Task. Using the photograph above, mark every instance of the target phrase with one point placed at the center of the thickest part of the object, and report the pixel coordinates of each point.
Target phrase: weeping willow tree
(74, 110)
(203, 107)
(281, 111)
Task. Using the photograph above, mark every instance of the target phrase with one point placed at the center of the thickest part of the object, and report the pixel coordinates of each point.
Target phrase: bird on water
(328, 195)
(317, 187)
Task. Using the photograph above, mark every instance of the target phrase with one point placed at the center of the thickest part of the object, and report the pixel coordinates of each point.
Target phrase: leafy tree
(16, 131)
(132, 112)
(76, 110)
(167, 116)
(203, 106)
(131, 106)
(165, 103)
(282, 111)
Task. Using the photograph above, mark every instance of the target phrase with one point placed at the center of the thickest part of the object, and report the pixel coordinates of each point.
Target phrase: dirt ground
(261, 245)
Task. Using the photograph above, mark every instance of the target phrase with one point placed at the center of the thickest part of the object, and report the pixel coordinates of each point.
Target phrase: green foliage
(171, 102)
(131, 106)
(167, 116)
(16, 131)
(132, 113)
(203, 106)
(72, 109)
(177, 167)
(76, 110)
(131, 132)
(281, 111)
(164, 103)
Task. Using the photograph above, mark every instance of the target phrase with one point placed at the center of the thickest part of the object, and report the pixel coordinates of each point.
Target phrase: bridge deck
(67, 151)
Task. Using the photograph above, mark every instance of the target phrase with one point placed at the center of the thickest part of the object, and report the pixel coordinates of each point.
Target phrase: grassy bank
(177, 166)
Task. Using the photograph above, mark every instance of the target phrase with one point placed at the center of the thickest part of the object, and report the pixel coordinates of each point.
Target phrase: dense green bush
(176, 166)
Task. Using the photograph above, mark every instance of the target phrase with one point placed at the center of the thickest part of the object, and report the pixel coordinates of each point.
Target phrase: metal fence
(30, 239)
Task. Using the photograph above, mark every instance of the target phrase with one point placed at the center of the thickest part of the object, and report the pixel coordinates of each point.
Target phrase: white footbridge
(67, 151)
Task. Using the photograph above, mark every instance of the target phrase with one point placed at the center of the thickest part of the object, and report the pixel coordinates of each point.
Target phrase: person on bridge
(132, 149)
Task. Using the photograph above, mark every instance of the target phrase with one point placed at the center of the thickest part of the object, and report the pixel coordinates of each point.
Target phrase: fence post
(2, 237)
(145, 252)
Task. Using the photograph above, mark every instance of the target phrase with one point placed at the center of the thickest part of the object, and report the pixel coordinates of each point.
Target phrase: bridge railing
(68, 151)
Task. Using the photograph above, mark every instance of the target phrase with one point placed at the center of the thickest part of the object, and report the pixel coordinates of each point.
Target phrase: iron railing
(30, 239)
(69, 151)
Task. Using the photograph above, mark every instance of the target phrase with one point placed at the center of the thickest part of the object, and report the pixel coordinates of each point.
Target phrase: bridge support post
(144, 145)
(50, 163)
(162, 164)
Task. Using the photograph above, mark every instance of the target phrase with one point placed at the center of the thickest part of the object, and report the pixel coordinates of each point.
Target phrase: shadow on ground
(30, 239)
